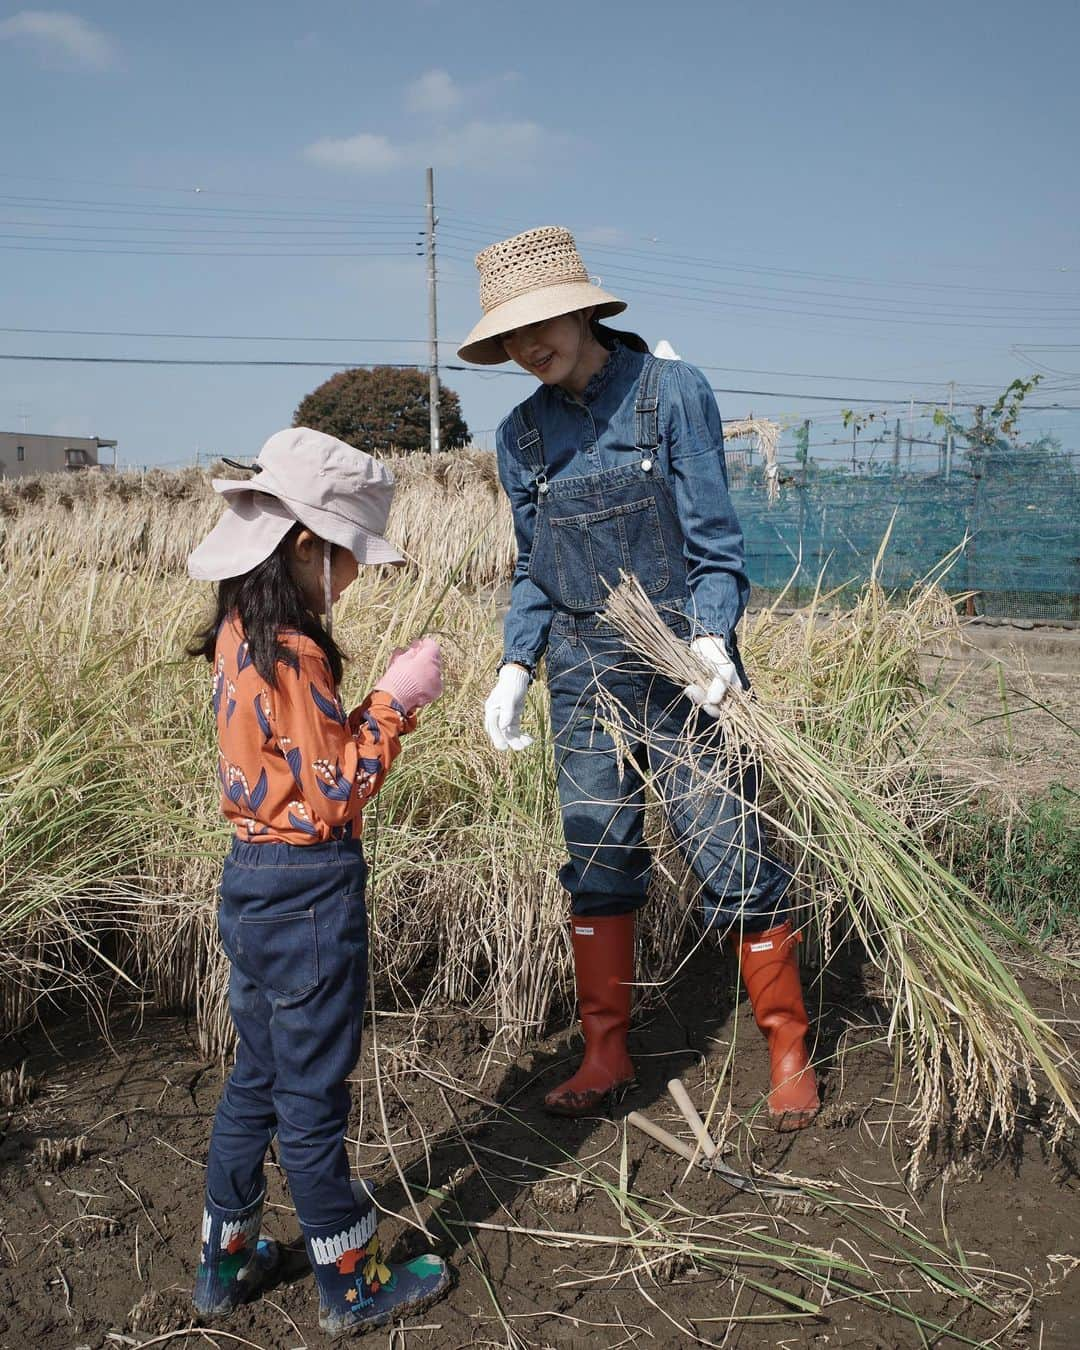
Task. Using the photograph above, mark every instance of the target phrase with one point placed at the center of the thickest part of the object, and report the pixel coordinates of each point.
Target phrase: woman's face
(552, 350)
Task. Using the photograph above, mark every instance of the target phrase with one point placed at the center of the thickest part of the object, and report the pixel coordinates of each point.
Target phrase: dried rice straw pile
(766, 434)
(959, 1022)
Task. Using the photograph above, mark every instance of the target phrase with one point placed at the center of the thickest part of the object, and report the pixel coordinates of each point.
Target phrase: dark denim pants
(602, 791)
(293, 924)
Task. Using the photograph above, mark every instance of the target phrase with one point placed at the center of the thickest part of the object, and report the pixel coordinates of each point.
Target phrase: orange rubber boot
(770, 970)
(604, 965)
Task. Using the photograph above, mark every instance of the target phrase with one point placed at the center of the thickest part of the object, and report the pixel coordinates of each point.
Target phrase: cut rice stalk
(960, 1024)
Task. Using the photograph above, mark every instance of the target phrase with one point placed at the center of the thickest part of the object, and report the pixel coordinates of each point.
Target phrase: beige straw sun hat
(531, 277)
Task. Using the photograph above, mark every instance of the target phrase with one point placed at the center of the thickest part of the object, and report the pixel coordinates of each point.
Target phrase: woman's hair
(267, 600)
(605, 335)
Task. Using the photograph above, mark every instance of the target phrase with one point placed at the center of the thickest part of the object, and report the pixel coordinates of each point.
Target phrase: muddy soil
(99, 1252)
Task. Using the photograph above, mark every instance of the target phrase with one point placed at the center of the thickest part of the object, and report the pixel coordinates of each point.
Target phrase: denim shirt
(593, 434)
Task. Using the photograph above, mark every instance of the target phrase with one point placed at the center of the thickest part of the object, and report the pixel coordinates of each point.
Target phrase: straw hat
(534, 276)
(340, 493)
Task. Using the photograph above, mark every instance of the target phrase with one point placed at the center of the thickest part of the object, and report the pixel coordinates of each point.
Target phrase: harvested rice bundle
(959, 1021)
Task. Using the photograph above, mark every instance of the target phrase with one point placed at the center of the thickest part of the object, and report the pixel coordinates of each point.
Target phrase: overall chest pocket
(591, 547)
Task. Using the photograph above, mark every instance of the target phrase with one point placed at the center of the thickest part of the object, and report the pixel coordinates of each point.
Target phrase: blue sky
(829, 201)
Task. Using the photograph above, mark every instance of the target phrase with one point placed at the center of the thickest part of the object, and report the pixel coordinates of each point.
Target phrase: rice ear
(959, 1022)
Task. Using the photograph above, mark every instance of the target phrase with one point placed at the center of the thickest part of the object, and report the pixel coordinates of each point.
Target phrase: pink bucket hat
(340, 493)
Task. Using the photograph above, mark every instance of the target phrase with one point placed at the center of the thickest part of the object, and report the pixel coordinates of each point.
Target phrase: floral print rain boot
(236, 1264)
(357, 1289)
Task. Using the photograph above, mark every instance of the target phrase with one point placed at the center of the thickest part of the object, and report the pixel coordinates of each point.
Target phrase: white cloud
(365, 152)
(441, 138)
(489, 146)
(62, 35)
(434, 92)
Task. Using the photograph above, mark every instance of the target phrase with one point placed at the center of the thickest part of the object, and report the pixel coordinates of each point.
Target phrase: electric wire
(467, 369)
(42, 204)
(447, 342)
(590, 247)
(702, 288)
(197, 253)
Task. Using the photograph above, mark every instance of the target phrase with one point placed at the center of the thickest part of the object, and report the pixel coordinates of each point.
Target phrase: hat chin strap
(328, 595)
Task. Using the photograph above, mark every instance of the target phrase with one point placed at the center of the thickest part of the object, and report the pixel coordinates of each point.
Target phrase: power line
(708, 291)
(221, 361)
(188, 188)
(361, 228)
(724, 287)
(199, 253)
(445, 342)
(472, 370)
(693, 299)
(40, 204)
(74, 239)
(807, 375)
(484, 231)
(464, 224)
(372, 220)
(212, 337)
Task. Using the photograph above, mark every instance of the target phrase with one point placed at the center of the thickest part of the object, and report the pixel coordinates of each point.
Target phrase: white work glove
(502, 711)
(724, 676)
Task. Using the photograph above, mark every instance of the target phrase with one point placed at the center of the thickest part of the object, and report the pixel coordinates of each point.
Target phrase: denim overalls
(577, 531)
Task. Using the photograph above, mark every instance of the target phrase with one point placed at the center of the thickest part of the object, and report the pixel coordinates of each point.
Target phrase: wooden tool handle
(686, 1106)
(661, 1136)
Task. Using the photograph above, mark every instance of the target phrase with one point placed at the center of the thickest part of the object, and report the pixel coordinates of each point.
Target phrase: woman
(616, 463)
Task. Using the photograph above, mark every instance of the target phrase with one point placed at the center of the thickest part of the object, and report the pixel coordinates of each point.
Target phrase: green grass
(1026, 864)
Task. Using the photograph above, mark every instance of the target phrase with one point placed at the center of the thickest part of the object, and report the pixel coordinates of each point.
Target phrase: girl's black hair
(267, 600)
(606, 337)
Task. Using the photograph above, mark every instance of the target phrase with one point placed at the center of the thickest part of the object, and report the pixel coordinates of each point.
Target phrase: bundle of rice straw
(766, 434)
(959, 1021)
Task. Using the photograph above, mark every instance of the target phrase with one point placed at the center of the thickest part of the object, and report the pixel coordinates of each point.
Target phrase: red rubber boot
(770, 970)
(604, 965)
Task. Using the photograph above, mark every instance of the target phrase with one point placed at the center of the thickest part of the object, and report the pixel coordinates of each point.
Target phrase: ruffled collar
(617, 362)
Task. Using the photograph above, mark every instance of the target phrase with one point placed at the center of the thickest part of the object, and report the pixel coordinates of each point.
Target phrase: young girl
(295, 774)
(617, 462)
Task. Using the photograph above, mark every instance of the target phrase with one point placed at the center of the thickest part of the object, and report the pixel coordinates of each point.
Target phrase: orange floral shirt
(294, 769)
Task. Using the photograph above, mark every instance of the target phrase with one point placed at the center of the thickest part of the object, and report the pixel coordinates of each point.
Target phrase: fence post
(949, 437)
(970, 532)
(802, 506)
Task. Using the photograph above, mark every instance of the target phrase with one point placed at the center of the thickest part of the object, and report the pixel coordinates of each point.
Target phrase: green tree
(382, 408)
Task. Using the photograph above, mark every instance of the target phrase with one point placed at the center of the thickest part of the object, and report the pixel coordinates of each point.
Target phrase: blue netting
(1020, 509)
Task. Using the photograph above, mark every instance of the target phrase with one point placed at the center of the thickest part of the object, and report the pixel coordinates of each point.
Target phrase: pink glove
(414, 675)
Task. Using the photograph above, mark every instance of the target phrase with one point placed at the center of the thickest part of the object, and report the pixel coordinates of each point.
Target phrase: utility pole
(433, 323)
(949, 437)
(910, 432)
(896, 448)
